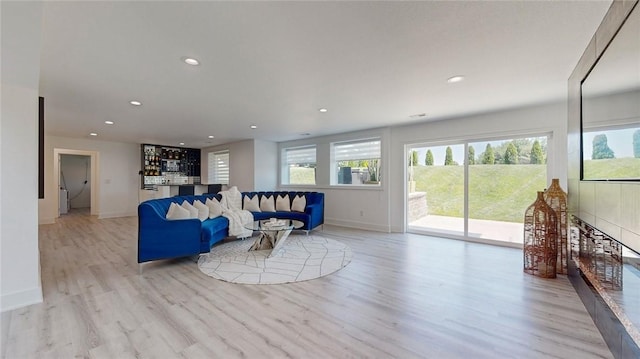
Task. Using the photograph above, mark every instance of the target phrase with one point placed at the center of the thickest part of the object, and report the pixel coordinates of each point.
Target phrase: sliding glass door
(436, 197)
(475, 189)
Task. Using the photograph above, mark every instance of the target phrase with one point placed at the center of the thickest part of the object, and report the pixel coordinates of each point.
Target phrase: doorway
(76, 174)
(75, 184)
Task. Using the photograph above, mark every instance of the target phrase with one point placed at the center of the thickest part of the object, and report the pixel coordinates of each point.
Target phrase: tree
(636, 144)
(537, 156)
(498, 158)
(414, 158)
(511, 154)
(488, 157)
(601, 149)
(471, 156)
(429, 159)
(448, 157)
(523, 145)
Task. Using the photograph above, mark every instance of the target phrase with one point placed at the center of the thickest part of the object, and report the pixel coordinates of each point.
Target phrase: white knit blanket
(237, 220)
(232, 210)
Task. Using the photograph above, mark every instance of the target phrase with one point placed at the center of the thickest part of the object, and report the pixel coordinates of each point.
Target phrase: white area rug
(302, 258)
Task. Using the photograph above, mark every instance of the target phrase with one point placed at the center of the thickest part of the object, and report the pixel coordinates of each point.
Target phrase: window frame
(285, 165)
(550, 162)
(335, 168)
(212, 176)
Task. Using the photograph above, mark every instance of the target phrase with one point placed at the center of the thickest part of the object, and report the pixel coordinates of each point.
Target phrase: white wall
(253, 164)
(241, 165)
(357, 206)
(118, 179)
(265, 165)
(382, 208)
(75, 173)
(20, 283)
(540, 119)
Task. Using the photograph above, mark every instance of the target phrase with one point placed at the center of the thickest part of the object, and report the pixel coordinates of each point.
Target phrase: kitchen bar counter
(165, 190)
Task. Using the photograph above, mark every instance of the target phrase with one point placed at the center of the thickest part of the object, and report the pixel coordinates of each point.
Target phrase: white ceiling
(274, 64)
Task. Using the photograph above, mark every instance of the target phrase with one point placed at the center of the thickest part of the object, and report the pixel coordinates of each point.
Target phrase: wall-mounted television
(611, 109)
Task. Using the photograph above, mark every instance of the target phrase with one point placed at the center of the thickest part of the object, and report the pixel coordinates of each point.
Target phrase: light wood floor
(402, 296)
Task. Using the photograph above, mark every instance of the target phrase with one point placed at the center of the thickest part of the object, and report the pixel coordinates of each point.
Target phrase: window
(356, 162)
(218, 167)
(299, 165)
(478, 189)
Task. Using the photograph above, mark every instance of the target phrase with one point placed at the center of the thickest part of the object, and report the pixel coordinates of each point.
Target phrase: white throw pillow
(193, 211)
(251, 204)
(299, 203)
(267, 204)
(203, 210)
(177, 212)
(283, 204)
(215, 209)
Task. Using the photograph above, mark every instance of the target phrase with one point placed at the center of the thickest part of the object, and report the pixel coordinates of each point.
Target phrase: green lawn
(496, 192)
(621, 168)
(302, 175)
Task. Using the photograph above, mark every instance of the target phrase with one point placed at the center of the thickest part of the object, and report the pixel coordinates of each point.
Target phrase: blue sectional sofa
(312, 216)
(159, 238)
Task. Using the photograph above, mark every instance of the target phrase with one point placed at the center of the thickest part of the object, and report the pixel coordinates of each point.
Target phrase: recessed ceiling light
(109, 122)
(191, 61)
(210, 136)
(419, 115)
(181, 143)
(455, 79)
(93, 134)
(323, 110)
(135, 103)
(253, 127)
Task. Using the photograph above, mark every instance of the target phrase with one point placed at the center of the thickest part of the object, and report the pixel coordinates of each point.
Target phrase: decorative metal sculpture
(540, 239)
(556, 198)
(599, 257)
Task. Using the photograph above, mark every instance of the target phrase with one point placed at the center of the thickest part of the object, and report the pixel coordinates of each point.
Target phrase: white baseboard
(20, 299)
(46, 220)
(356, 224)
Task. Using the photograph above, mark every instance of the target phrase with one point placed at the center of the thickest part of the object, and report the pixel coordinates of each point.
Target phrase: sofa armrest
(314, 207)
(316, 214)
(159, 238)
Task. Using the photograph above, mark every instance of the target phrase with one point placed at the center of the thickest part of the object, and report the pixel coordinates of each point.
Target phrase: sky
(439, 152)
(620, 141)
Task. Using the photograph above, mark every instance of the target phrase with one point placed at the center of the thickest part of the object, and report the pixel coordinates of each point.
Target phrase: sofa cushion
(203, 210)
(215, 208)
(212, 226)
(267, 203)
(177, 212)
(299, 203)
(193, 211)
(251, 203)
(281, 215)
(283, 204)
